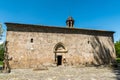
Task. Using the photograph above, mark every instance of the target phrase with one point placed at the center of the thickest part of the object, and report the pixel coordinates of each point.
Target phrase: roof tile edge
(37, 25)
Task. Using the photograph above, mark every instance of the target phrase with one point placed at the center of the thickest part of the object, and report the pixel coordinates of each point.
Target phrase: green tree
(1, 45)
(1, 52)
(1, 32)
(117, 48)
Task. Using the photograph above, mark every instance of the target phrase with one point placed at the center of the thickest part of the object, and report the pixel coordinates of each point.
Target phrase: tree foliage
(1, 52)
(1, 32)
(117, 48)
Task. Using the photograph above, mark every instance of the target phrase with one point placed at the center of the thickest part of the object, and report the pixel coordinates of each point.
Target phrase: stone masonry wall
(84, 47)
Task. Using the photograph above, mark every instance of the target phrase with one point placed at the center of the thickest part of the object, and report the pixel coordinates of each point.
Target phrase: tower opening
(70, 22)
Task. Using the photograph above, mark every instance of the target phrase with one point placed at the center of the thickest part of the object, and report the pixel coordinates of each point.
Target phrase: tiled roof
(52, 27)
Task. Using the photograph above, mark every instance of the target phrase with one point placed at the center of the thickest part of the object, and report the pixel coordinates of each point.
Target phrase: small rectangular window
(31, 40)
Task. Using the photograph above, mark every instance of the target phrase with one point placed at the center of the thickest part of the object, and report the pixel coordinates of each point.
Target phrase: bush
(1, 52)
(118, 60)
(1, 62)
(117, 48)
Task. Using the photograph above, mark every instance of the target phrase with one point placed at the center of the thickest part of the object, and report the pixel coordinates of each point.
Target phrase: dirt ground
(63, 73)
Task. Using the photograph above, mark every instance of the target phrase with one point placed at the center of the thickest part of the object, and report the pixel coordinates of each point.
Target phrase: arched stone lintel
(57, 46)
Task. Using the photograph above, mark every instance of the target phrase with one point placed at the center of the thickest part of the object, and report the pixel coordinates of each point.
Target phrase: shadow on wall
(102, 54)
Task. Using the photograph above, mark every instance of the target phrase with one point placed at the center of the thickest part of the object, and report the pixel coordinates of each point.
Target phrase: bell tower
(70, 22)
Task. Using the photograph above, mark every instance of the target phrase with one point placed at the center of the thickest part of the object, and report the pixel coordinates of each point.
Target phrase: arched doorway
(60, 51)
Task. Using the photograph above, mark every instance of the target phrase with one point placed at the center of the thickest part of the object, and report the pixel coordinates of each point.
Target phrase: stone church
(30, 46)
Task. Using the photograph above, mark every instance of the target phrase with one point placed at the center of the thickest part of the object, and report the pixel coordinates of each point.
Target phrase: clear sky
(91, 14)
